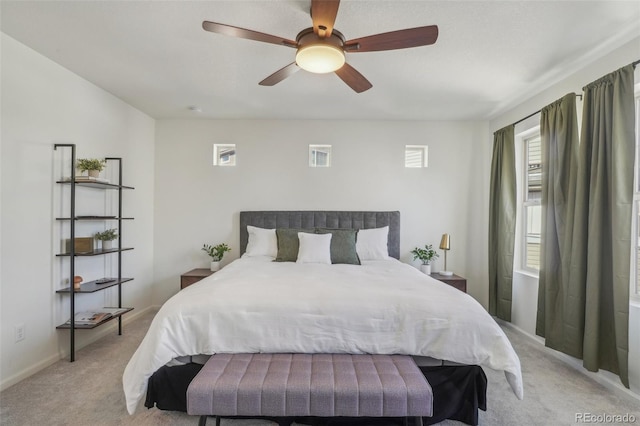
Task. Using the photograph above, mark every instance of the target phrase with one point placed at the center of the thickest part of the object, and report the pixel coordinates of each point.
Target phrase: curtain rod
(538, 111)
(578, 95)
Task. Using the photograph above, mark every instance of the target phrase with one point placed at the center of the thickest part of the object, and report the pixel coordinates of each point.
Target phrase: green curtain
(502, 223)
(560, 317)
(602, 225)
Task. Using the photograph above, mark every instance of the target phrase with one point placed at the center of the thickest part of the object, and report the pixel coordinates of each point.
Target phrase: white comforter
(382, 307)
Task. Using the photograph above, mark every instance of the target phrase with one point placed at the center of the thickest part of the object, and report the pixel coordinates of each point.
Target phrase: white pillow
(262, 242)
(314, 248)
(371, 244)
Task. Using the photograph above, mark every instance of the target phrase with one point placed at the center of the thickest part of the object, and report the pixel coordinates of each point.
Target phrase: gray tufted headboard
(323, 219)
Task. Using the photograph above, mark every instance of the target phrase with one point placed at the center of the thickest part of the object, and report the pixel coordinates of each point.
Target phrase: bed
(379, 306)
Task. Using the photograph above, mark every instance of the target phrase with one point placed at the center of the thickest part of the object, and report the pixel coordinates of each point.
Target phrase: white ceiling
(490, 55)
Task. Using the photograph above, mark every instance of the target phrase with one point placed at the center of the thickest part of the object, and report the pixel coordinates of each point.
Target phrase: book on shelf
(95, 317)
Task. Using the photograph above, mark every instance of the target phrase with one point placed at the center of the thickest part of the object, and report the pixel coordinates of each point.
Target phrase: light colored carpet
(89, 391)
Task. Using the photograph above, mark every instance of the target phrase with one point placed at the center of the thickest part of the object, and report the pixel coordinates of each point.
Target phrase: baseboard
(97, 335)
(605, 378)
(27, 372)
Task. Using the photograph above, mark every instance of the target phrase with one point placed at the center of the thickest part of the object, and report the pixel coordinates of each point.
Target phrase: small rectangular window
(319, 155)
(224, 154)
(416, 156)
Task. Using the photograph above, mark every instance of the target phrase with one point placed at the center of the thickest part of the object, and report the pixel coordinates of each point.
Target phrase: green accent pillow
(288, 243)
(343, 245)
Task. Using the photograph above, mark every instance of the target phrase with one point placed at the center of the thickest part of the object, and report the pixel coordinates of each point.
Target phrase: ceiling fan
(321, 48)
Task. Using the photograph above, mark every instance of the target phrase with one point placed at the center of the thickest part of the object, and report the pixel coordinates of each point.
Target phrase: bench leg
(419, 421)
(202, 421)
(405, 421)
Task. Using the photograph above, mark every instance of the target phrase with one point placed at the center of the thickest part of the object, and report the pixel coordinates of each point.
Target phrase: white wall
(197, 203)
(525, 286)
(43, 104)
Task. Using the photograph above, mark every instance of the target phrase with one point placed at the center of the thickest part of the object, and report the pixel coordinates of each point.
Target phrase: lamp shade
(445, 243)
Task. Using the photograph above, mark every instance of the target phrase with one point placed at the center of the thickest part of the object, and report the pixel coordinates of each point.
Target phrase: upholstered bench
(299, 385)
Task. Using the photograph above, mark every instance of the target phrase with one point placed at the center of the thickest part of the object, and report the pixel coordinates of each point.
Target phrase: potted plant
(92, 165)
(217, 253)
(107, 238)
(426, 255)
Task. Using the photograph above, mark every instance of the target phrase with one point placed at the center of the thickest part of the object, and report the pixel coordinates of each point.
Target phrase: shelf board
(90, 326)
(96, 252)
(99, 185)
(95, 218)
(93, 286)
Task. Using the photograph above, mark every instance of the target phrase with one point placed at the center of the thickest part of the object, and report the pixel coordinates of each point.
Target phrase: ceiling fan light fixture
(320, 58)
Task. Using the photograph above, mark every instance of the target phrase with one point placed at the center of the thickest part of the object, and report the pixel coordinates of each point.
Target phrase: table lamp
(445, 244)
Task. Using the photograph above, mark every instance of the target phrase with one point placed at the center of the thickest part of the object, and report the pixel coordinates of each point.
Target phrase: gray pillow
(288, 243)
(343, 245)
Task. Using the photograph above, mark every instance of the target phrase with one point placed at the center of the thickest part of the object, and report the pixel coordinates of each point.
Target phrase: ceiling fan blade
(280, 75)
(323, 14)
(353, 78)
(401, 39)
(232, 31)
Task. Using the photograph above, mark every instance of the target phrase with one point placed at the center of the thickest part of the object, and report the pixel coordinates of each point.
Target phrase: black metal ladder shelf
(96, 285)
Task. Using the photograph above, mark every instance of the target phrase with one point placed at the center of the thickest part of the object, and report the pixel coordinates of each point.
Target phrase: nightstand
(193, 276)
(453, 280)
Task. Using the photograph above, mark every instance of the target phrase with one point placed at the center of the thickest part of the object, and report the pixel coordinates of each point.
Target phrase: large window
(635, 285)
(532, 211)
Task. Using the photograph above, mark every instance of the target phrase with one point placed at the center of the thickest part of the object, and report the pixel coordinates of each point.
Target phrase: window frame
(424, 156)
(314, 150)
(634, 282)
(218, 151)
(525, 202)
